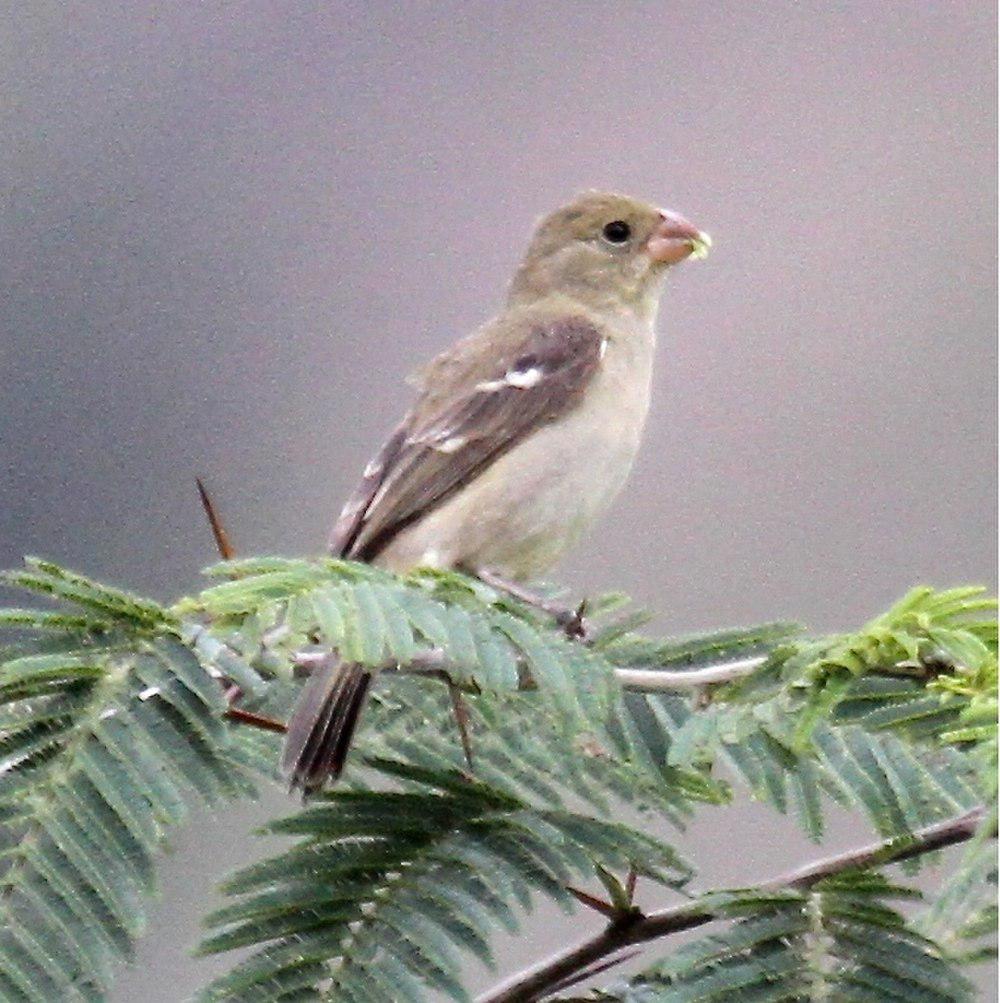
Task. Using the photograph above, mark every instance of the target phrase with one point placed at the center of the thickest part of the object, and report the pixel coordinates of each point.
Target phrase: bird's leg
(571, 620)
(461, 711)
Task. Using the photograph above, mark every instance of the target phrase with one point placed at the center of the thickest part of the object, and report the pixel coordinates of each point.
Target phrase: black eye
(617, 232)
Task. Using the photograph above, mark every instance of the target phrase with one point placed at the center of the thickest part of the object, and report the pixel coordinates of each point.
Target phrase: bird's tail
(323, 723)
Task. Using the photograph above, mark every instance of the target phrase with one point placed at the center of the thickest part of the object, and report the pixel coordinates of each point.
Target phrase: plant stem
(659, 680)
(636, 679)
(534, 983)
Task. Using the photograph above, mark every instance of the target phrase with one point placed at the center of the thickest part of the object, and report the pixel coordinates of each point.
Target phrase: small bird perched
(521, 435)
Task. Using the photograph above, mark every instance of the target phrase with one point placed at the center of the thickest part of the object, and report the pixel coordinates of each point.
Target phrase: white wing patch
(524, 378)
(520, 379)
(452, 445)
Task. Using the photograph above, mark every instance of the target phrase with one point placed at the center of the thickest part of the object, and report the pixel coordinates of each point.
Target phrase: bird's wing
(439, 449)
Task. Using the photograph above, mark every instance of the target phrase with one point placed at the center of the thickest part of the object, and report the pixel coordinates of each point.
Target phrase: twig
(658, 680)
(210, 650)
(641, 680)
(255, 720)
(222, 544)
(535, 983)
(434, 662)
(571, 620)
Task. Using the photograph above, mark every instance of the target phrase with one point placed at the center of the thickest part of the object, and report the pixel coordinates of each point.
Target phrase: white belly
(531, 505)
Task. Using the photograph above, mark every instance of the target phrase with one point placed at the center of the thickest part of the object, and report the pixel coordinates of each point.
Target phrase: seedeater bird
(521, 434)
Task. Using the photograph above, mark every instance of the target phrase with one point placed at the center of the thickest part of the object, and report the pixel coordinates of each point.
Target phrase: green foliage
(113, 722)
(377, 619)
(943, 638)
(109, 727)
(870, 719)
(839, 940)
(924, 626)
(963, 918)
(390, 889)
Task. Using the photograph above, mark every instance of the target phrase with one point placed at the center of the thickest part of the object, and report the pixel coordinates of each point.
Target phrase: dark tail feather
(323, 724)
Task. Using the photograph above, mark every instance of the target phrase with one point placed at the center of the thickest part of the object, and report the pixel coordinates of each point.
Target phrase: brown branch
(589, 973)
(559, 970)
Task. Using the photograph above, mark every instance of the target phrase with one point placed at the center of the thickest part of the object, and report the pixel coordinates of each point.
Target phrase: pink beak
(675, 239)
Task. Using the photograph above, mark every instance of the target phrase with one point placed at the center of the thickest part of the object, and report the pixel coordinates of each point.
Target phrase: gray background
(228, 230)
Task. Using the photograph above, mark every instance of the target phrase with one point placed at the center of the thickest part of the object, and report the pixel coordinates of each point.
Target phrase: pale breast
(533, 503)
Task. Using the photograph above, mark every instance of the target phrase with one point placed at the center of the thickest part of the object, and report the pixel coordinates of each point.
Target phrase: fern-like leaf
(389, 890)
(109, 728)
(840, 940)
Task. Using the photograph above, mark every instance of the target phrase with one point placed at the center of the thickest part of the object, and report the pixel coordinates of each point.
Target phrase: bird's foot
(571, 620)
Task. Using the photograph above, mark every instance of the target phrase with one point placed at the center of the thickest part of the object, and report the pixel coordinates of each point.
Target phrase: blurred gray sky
(228, 230)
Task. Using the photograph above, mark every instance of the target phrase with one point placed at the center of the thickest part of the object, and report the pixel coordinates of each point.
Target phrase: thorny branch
(434, 661)
(644, 680)
(627, 926)
(637, 928)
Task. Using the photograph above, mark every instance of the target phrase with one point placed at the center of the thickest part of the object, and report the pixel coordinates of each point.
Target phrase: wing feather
(349, 523)
(431, 456)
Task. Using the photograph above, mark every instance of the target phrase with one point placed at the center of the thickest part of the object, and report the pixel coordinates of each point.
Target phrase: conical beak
(675, 239)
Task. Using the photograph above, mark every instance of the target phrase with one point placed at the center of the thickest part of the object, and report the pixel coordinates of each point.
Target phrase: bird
(520, 436)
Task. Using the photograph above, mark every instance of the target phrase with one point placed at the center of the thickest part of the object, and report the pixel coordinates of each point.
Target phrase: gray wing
(431, 456)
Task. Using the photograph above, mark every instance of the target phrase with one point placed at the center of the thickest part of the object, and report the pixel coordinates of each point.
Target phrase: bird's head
(606, 249)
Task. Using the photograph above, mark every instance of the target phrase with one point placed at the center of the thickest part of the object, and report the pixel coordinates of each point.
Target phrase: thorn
(255, 720)
(461, 712)
(630, 880)
(593, 902)
(222, 544)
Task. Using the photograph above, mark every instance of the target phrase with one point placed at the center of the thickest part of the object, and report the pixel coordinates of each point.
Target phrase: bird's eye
(617, 232)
